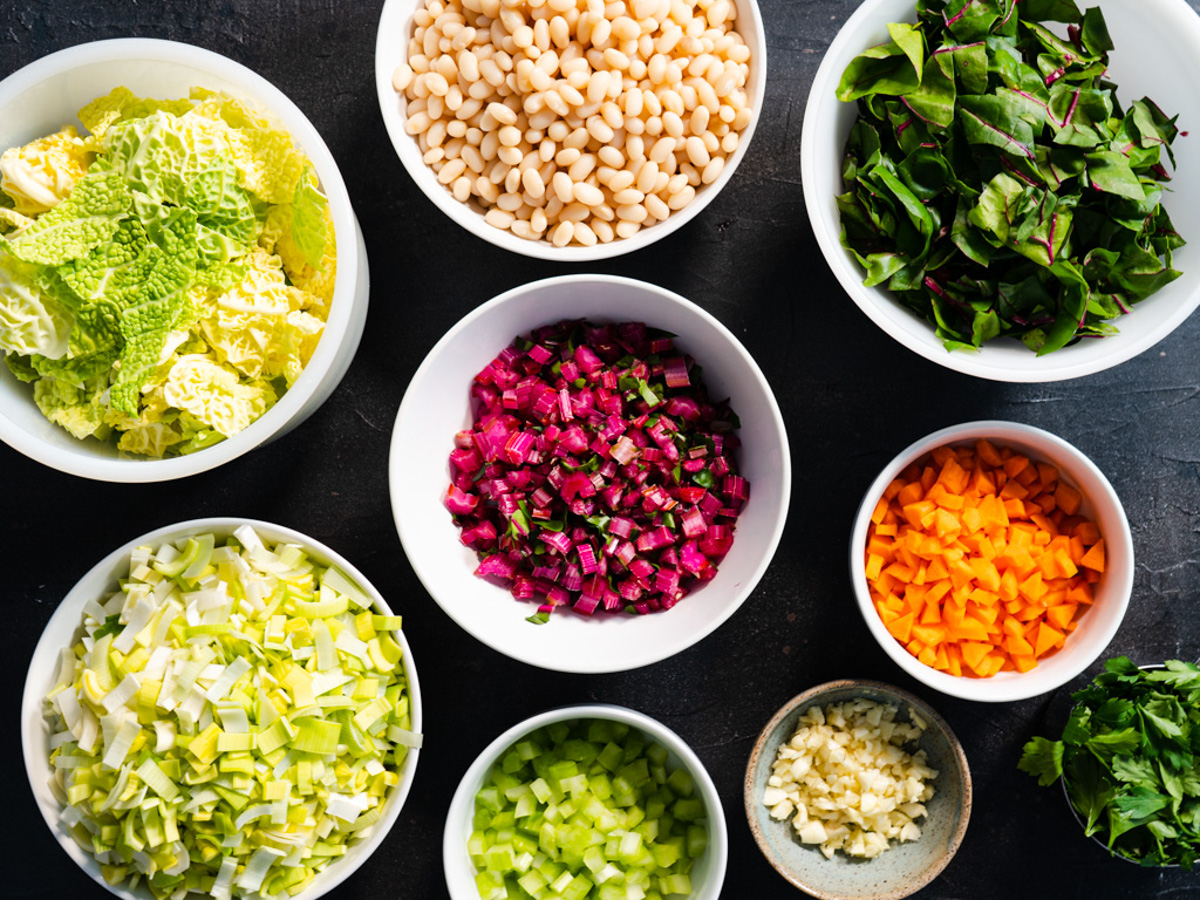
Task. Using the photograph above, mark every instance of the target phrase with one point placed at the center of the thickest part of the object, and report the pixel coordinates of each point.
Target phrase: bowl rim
(347, 308)
(70, 608)
(472, 221)
(426, 571)
(752, 803)
(453, 847)
(1055, 367)
(1016, 686)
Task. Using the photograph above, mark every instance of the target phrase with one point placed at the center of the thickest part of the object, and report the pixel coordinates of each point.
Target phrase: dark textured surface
(851, 397)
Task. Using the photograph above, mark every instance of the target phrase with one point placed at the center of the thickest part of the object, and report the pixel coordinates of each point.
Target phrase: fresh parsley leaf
(1043, 760)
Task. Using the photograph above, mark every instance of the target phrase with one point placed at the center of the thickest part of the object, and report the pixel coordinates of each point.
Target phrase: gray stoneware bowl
(901, 870)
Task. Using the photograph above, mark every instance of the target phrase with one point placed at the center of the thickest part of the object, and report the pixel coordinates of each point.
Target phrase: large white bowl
(707, 875)
(63, 630)
(1157, 55)
(45, 95)
(391, 49)
(1096, 628)
(436, 407)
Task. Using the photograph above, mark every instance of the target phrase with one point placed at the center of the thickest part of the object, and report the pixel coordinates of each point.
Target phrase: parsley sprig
(1128, 759)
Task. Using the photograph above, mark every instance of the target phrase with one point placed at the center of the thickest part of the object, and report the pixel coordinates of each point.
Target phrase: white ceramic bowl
(66, 624)
(707, 875)
(1100, 503)
(436, 407)
(1157, 55)
(391, 49)
(45, 95)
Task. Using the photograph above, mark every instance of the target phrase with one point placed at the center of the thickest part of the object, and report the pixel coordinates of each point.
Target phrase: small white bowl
(436, 406)
(391, 49)
(63, 630)
(45, 95)
(1157, 55)
(707, 875)
(1096, 628)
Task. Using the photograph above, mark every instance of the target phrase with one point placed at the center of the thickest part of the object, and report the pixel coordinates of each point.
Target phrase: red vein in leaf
(990, 127)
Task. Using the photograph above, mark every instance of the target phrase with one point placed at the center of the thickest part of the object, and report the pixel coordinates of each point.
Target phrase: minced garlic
(846, 781)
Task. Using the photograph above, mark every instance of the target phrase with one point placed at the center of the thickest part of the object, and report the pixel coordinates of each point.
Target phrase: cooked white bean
(575, 123)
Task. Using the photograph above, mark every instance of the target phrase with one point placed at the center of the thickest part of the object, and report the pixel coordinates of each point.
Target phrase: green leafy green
(1127, 760)
(994, 184)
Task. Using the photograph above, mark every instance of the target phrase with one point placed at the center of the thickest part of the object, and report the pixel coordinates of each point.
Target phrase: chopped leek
(233, 718)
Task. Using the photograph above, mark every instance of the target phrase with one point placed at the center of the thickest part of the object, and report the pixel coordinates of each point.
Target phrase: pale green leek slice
(230, 721)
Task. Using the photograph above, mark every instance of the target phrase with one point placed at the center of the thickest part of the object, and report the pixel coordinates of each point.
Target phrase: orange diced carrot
(1068, 498)
(879, 511)
(930, 635)
(987, 452)
(901, 628)
(1061, 615)
(1048, 638)
(1024, 663)
(1094, 558)
(910, 493)
(892, 489)
(974, 653)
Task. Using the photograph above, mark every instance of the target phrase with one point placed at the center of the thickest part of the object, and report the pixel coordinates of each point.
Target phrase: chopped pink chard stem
(596, 471)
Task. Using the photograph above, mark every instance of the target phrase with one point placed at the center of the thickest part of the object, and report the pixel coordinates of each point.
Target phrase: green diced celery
(476, 843)
(499, 859)
(688, 809)
(681, 783)
(675, 884)
(489, 798)
(558, 731)
(611, 757)
(580, 751)
(513, 762)
(577, 889)
(697, 840)
(527, 750)
(657, 754)
(666, 854)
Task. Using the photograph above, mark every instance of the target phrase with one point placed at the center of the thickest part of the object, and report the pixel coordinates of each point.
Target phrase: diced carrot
(973, 653)
(910, 493)
(920, 514)
(953, 476)
(993, 664)
(1061, 615)
(1068, 498)
(937, 570)
(1024, 663)
(928, 477)
(1047, 473)
(978, 561)
(901, 628)
(1018, 646)
(930, 635)
(1015, 508)
(1014, 490)
(1094, 558)
(892, 489)
(1048, 638)
(879, 511)
(970, 629)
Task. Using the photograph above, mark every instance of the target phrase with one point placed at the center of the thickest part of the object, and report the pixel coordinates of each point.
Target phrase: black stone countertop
(851, 396)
